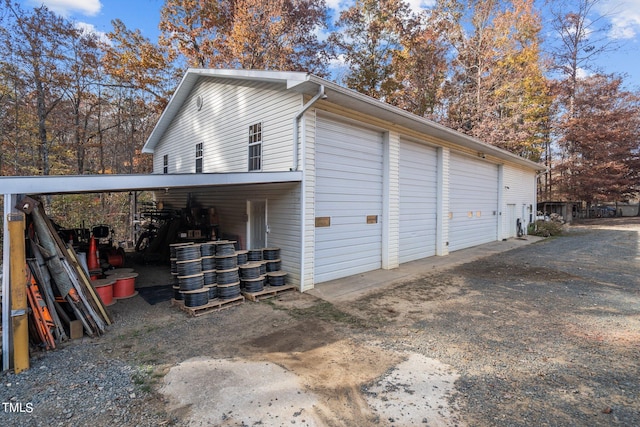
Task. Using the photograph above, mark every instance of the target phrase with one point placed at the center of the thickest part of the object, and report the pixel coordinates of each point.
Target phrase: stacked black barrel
(263, 267)
(275, 276)
(204, 271)
(190, 277)
(227, 270)
(252, 276)
(208, 252)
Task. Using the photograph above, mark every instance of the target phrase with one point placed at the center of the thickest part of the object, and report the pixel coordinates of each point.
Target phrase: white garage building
(362, 185)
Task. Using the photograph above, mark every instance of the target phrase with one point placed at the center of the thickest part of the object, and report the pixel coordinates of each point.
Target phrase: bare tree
(581, 36)
(39, 42)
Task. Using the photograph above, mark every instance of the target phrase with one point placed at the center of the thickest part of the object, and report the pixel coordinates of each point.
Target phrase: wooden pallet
(267, 292)
(213, 305)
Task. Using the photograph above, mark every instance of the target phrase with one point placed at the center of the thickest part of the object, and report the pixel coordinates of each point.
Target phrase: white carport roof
(13, 186)
(61, 184)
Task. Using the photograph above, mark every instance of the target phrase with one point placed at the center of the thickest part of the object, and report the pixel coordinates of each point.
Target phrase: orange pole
(18, 277)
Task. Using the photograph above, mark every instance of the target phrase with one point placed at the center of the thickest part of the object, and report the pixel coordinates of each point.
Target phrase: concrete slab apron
(225, 392)
(222, 392)
(353, 287)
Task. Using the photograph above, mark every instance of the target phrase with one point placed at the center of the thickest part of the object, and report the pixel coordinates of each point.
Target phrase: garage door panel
(350, 166)
(418, 201)
(348, 189)
(364, 245)
(355, 190)
(473, 202)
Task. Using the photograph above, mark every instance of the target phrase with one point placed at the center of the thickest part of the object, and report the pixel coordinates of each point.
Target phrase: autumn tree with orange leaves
(498, 91)
(599, 141)
(248, 34)
(369, 36)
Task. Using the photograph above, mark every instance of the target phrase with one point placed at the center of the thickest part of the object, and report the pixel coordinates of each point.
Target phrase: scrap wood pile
(59, 289)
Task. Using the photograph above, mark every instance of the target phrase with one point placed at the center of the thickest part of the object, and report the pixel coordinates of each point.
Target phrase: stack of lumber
(60, 289)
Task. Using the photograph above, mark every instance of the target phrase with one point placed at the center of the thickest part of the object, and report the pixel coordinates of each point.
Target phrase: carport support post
(19, 320)
(10, 201)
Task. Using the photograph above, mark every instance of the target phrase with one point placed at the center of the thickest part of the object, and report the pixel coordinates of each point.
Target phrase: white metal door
(511, 220)
(257, 224)
(473, 202)
(418, 201)
(348, 233)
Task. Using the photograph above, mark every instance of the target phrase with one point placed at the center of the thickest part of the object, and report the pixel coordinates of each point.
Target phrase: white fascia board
(289, 77)
(65, 184)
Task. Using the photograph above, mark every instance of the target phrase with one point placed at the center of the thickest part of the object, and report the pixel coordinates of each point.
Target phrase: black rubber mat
(156, 294)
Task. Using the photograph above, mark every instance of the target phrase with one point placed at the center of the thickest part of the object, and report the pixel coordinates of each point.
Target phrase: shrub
(547, 228)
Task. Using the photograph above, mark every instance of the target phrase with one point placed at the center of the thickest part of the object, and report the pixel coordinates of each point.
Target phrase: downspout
(296, 123)
(303, 186)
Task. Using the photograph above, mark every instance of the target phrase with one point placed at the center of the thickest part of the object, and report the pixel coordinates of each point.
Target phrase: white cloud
(415, 5)
(339, 5)
(581, 73)
(338, 68)
(91, 29)
(418, 5)
(624, 16)
(69, 7)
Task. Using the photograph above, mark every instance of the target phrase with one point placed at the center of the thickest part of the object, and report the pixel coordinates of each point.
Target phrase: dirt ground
(546, 334)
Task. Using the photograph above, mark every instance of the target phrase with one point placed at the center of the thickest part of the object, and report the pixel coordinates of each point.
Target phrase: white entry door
(257, 229)
(511, 220)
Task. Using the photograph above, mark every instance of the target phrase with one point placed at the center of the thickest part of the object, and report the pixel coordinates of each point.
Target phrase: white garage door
(348, 233)
(473, 202)
(418, 184)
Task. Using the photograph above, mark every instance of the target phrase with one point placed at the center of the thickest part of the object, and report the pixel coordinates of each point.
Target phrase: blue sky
(623, 15)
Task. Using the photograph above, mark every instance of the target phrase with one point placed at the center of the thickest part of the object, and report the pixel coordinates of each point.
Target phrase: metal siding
(307, 162)
(222, 125)
(418, 201)
(391, 208)
(473, 189)
(519, 190)
(348, 189)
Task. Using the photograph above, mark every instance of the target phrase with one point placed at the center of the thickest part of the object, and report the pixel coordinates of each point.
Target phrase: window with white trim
(199, 157)
(165, 163)
(255, 147)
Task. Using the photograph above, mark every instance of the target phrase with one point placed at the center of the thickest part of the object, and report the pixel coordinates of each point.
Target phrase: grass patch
(142, 379)
(326, 311)
(146, 377)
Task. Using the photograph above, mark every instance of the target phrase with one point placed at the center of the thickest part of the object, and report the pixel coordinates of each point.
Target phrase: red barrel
(104, 288)
(124, 286)
(115, 259)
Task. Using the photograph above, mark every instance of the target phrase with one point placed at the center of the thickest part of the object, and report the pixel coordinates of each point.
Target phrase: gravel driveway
(546, 334)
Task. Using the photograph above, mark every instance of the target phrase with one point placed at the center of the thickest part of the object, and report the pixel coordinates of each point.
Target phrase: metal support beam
(10, 201)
